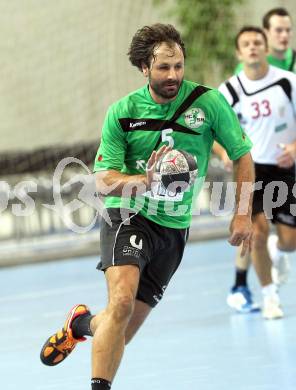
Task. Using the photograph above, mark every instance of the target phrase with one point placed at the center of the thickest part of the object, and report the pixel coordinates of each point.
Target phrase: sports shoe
(240, 298)
(281, 267)
(62, 343)
(272, 307)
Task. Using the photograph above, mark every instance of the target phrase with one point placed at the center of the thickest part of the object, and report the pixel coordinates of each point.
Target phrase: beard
(165, 89)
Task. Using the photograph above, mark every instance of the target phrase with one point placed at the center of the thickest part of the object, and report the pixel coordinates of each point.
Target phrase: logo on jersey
(137, 124)
(194, 117)
(241, 119)
(138, 245)
(280, 127)
(141, 164)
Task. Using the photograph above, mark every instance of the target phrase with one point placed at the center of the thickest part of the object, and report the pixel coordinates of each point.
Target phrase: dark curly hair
(146, 40)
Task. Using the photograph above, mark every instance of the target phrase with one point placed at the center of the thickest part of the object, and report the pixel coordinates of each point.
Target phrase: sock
(100, 384)
(81, 326)
(268, 290)
(240, 277)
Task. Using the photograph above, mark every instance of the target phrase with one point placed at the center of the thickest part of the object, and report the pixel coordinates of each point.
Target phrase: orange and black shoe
(62, 343)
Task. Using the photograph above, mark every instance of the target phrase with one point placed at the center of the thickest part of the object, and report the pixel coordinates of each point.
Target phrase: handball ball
(177, 166)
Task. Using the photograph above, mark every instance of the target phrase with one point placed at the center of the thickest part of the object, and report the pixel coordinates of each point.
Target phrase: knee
(260, 240)
(121, 307)
(287, 245)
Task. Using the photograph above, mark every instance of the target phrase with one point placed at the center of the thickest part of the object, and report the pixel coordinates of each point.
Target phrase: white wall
(64, 61)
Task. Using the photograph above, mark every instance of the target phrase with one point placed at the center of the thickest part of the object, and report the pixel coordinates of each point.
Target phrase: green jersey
(136, 125)
(287, 63)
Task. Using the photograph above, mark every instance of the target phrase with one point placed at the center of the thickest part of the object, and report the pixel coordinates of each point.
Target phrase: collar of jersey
(257, 82)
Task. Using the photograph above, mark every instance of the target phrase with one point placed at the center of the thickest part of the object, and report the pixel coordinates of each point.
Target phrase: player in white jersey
(264, 98)
(277, 24)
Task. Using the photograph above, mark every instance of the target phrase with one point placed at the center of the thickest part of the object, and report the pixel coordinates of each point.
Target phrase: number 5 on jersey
(166, 137)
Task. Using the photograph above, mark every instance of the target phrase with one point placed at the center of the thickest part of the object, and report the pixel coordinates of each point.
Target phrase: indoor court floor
(191, 341)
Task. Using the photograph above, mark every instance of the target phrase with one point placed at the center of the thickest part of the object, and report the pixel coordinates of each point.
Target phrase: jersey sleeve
(227, 130)
(112, 149)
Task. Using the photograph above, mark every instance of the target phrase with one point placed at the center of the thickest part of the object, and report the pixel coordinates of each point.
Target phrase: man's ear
(145, 70)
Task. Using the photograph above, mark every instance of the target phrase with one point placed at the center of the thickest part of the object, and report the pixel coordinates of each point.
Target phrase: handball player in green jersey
(144, 226)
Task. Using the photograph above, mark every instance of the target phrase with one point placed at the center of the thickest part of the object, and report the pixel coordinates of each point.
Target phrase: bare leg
(109, 335)
(140, 313)
(286, 237)
(260, 256)
(242, 262)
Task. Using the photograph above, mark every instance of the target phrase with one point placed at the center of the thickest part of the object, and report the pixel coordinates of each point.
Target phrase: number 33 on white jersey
(266, 109)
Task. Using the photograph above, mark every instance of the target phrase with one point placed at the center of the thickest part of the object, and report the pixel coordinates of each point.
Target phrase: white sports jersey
(266, 109)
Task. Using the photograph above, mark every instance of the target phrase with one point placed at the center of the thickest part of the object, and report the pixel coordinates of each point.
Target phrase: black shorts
(280, 191)
(155, 249)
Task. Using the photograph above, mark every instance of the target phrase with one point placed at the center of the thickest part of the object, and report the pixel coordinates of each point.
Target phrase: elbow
(245, 159)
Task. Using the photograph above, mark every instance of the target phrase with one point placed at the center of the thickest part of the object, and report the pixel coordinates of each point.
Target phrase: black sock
(100, 384)
(240, 277)
(81, 326)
